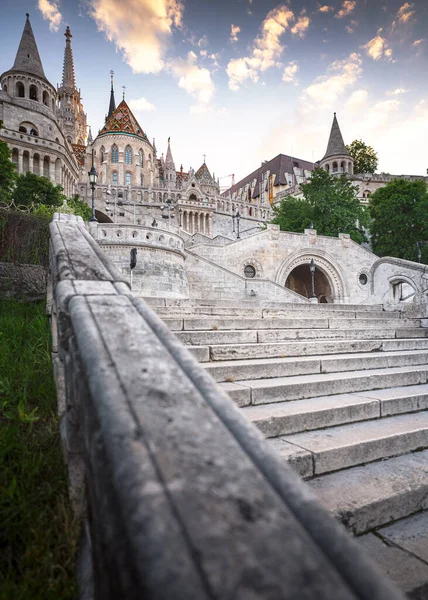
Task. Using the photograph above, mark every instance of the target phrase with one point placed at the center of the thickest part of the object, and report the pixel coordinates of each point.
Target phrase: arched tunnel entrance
(300, 281)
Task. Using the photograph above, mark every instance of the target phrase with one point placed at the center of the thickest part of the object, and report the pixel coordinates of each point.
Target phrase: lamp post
(312, 269)
(237, 217)
(180, 217)
(93, 176)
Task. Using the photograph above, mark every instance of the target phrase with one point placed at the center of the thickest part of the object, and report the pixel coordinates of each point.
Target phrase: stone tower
(170, 174)
(337, 159)
(71, 113)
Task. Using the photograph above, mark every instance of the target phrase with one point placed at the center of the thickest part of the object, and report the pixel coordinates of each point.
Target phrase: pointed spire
(336, 145)
(169, 159)
(28, 58)
(68, 80)
(154, 148)
(112, 105)
(90, 138)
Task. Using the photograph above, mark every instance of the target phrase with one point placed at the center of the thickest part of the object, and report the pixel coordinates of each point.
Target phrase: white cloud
(195, 80)
(396, 92)
(289, 75)
(356, 101)
(417, 43)
(301, 25)
(404, 14)
(140, 29)
(203, 53)
(266, 49)
(50, 12)
(377, 47)
(141, 104)
(234, 30)
(347, 7)
(326, 89)
(325, 8)
(352, 26)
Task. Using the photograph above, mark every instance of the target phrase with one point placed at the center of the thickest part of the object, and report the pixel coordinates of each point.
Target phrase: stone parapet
(185, 499)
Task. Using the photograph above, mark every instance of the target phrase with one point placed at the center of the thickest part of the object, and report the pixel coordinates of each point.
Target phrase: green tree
(398, 213)
(79, 207)
(292, 214)
(365, 157)
(33, 189)
(8, 173)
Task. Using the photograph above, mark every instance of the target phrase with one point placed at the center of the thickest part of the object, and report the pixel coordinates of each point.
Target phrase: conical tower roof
(28, 58)
(123, 121)
(168, 159)
(68, 79)
(336, 145)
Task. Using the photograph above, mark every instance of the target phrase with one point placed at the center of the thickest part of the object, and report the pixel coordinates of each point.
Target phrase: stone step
(279, 335)
(297, 416)
(241, 351)
(299, 387)
(245, 323)
(356, 444)
(287, 305)
(235, 370)
(366, 497)
(401, 551)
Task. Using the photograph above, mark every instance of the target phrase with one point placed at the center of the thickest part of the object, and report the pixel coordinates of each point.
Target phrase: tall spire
(169, 158)
(28, 58)
(112, 105)
(68, 80)
(336, 145)
(90, 138)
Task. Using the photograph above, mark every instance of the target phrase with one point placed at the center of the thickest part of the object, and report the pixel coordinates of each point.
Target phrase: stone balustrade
(184, 498)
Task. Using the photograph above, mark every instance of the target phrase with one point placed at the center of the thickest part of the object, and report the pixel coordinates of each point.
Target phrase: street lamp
(180, 217)
(312, 268)
(93, 176)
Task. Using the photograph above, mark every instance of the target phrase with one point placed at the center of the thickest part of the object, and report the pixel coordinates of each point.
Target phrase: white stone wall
(274, 254)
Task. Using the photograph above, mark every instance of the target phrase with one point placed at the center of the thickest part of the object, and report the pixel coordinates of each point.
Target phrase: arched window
(366, 194)
(128, 155)
(128, 178)
(45, 98)
(102, 152)
(343, 167)
(20, 91)
(33, 93)
(114, 154)
(36, 164)
(192, 197)
(115, 178)
(335, 167)
(22, 129)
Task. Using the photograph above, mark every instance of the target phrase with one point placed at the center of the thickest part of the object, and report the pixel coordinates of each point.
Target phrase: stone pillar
(51, 169)
(20, 165)
(30, 163)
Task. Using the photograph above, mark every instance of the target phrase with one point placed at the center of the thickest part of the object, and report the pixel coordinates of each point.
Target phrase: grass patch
(38, 534)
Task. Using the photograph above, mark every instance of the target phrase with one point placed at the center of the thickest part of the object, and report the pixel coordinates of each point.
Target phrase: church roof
(336, 145)
(112, 105)
(28, 58)
(123, 121)
(168, 159)
(68, 79)
(204, 176)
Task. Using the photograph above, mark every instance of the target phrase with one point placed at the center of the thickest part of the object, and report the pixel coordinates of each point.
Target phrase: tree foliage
(365, 157)
(8, 173)
(399, 221)
(33, 189)
(329, 203)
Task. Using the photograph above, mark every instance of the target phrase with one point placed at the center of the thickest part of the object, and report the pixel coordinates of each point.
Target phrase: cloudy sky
(243, 80)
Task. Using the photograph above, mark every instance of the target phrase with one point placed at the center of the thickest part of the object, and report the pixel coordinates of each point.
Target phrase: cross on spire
(204, 155)
(124, 88)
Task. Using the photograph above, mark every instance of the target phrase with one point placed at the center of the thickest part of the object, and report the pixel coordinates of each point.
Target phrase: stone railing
(184, 498)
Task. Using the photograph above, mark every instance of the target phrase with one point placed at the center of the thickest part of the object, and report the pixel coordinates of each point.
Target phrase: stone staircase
(341, 392)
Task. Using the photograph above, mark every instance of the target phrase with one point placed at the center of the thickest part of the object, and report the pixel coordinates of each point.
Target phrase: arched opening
(22, 129)
(36, 164)
(128, 178)
(327, 168)
(102, 153)
(335, 167)
(45, 98)
(20, 90)
(115, 178)
(58, 171)
(114, 154)
(15, 159)
(46, 164)
(25, 161)
(5, 88)
(343, 166)
(193, 197)
(128, 155)
(401, 291)
(34, 93)
(102, 217)
(300, 281)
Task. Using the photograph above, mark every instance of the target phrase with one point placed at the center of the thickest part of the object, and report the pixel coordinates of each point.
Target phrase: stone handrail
(185, 499)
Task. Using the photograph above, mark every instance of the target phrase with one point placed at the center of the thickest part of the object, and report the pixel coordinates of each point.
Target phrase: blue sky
(244, 80)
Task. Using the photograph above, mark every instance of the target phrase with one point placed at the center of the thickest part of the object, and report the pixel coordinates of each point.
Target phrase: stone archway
(300, 281)
(102, 217)
(330, 277)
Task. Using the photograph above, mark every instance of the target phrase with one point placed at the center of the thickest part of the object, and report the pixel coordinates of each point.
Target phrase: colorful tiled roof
(204, 176)
(123, 121)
